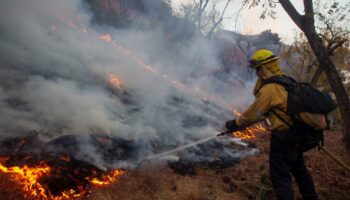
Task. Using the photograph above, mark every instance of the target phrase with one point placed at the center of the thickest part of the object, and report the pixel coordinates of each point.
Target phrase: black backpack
(303, 98)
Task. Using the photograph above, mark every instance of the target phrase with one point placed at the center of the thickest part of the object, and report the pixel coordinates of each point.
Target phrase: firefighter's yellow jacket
(269, 96)
(274, 96)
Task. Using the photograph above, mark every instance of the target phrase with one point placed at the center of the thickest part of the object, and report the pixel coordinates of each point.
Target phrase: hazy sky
(250, 23)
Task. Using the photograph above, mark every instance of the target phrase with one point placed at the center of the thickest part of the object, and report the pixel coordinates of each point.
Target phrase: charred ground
(244, 179)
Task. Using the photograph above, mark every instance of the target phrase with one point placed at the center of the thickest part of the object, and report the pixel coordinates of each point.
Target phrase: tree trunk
(307, 24)
(316, 75)
(334, 80)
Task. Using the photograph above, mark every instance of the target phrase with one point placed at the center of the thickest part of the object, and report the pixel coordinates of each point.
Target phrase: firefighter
(283, 159)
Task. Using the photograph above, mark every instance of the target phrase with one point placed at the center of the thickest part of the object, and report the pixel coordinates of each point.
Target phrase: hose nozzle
(223, 133)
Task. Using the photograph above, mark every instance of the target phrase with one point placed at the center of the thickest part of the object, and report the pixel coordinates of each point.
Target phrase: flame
(106, 37)
(28, 178)
(250, 132)
(114, 81)
(107, 179)
(237, 113)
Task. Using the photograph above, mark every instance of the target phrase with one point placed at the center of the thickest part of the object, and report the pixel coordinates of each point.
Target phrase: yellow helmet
(260, 57)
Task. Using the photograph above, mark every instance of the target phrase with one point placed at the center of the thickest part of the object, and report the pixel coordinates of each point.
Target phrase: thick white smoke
(55, 70)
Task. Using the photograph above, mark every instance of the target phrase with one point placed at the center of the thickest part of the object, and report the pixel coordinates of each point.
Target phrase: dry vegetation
(246, 180)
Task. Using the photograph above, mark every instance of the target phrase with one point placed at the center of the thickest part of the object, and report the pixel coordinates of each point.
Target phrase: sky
(250, 23)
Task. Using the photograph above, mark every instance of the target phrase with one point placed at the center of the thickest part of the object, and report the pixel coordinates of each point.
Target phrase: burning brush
(62, 179)
(48, 175)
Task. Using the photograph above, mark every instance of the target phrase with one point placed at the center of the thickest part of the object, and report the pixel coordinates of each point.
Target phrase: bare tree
(333, 29)
(205, 15)
(303, 65)
(239, 38)
(215, 22)
(299, 59)
(200, 7)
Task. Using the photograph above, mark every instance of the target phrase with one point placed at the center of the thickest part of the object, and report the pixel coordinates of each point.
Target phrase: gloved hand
(231, 126)
(224, 133)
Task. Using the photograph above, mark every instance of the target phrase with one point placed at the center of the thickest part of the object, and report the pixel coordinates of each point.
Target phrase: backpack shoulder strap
(285, 81)
(280, 118)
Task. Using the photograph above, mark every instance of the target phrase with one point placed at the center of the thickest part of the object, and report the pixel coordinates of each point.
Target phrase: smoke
(55, 76)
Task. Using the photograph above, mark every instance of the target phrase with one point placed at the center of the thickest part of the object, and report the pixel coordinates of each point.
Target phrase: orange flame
(107, 179)
(28, 178)
(237, 113)
(106, 37)
(114, 81)
(250, 132)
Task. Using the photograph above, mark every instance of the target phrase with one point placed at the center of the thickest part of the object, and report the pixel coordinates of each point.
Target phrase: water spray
(181, 148)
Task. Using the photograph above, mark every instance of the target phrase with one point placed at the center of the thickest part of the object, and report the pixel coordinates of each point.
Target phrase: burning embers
(55, 176)
(106, 37)
(249, 132)
(58, 178)
(28, 177)
(114, 81)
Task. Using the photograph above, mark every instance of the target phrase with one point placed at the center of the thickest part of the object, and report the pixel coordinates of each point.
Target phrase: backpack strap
(280, 118)
(286, 81)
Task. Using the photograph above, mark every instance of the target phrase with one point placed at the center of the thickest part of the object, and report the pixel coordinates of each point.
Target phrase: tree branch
(293, 13)
(321, 68)
(219, 21)
(309, 16)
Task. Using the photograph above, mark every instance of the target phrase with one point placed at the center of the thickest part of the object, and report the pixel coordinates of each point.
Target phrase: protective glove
(224, 133)
(231, 126)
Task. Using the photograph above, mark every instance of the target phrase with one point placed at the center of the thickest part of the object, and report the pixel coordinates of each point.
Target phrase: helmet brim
(253, 64)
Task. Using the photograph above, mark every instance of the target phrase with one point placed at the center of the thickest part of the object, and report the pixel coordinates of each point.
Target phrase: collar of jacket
(268, 70)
